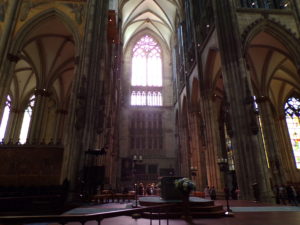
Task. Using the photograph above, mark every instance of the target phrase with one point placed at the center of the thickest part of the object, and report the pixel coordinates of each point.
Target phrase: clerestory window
(146, 77)
(292, 116)
(26, 120)
(5, 117)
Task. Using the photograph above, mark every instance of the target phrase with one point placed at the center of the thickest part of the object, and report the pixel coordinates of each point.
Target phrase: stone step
(179, 214)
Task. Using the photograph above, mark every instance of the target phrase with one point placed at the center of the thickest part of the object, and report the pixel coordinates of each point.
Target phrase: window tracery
(146, 79)
(5, 117)
(26, 120)
(292, 116)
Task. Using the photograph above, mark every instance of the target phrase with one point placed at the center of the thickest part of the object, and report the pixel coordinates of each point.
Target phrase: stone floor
(245, 213)
(249, 218)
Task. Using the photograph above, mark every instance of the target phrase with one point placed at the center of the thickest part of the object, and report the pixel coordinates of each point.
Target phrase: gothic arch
(136, 37)
(38, 19)
(22, 36)
(212, 70)
(272, 57)
(275, 29)
(165, 61)
(45, 63)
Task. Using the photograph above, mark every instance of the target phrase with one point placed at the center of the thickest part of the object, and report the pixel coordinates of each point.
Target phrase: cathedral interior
(104, 94)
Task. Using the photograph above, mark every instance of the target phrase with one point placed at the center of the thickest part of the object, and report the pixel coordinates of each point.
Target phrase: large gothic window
(292, 115)
(26, 120)
(5, 117)
(146, 78)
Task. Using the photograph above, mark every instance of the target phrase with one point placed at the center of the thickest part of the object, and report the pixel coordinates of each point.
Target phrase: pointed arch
(146, 72)
(38, 19)
(212, 70)
(274, 29)
(137, 36)
(272, 56)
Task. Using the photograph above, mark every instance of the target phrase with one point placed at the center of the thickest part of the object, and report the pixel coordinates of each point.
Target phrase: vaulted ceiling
(46, 62)
(158, 16)
(271, 67)
(273, 70)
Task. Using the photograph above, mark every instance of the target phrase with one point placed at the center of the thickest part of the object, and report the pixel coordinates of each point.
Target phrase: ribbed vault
(158, 16)
(273, 71)
(46, 62)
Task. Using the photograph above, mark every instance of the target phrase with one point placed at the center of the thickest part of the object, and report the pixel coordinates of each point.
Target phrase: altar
(168, 191)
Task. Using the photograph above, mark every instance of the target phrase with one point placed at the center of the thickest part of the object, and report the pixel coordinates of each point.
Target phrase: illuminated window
(5, 117)
(146, 77)
(292, 115)
(26, 120)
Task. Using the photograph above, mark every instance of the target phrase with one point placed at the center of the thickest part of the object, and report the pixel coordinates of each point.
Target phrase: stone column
(184, 159)
(250, 161)
(195, 149)
(14, 125)
(83, 115)
(35, 133)
(10, 18)
(202, 172)
(212, 142)
(295, 6)
(60, 124)
(271, 140)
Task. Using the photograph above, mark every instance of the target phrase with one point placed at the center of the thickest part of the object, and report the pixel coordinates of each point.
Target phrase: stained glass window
(26, 120)
(292, 115)
(5, 117)
(146, 79)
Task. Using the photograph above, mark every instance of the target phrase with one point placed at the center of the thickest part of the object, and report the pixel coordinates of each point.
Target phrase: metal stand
(135, 160)
(136, 197)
